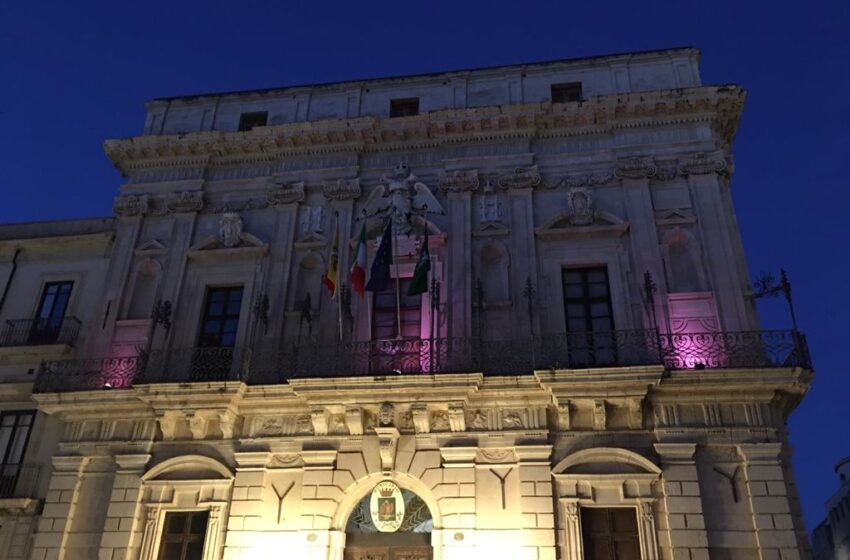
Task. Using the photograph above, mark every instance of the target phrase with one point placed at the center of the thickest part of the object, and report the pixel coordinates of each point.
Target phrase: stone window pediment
(562, 226)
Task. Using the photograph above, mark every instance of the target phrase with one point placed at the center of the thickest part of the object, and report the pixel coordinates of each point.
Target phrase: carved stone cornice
(342, 189)
(635, 168)
(286, 193)
(130, 205)
(701, 163)
(520, 178)
(718, 106)
(460, 181)
(185, 202)
(586, 180)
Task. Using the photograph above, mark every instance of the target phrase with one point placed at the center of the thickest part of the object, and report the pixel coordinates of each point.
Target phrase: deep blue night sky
(73, 74)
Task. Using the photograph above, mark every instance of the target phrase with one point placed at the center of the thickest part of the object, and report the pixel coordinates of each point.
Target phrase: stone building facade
(584, 378)
(831, 538)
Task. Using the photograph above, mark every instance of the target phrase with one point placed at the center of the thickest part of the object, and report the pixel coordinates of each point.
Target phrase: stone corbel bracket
(388, 441)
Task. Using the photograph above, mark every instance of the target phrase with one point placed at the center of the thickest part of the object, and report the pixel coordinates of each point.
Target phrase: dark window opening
(247, 121)
(566, 93)
(183, 535)
(385, 316)
(15, 428)
(221, 317)
(404, 107)
(589, 316)
(51, 312)
(610, 534)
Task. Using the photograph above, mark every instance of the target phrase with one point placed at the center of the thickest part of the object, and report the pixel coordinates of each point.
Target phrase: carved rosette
(460, 181)
(128, 206)
(185, 202)
(521, 178)
(702, 164)
(342, 189)
(635, 168)
(286, 193)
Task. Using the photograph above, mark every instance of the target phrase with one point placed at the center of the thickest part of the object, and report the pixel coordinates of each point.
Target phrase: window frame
(4, 453)
(561, 92)
(245, 120)
(401, 107)
(205, 317)
(184, 537)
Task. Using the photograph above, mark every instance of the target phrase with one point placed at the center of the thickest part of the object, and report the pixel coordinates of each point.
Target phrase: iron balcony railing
(314, 358)
(18, 481)
(38, 332)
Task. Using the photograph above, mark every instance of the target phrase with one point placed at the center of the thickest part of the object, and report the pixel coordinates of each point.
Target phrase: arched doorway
(410, 541)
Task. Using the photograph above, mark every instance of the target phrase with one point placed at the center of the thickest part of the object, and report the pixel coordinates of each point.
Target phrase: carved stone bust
(386, 415)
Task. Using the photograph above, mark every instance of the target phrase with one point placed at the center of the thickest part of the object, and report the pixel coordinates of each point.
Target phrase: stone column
(767, 494)
(680, 522)
(59, 509)
(635, 174)
(523, 256)
(249, 512)
(458, 293)
(122, 535)
(719, 238)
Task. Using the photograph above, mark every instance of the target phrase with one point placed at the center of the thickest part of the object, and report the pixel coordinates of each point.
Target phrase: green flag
(419, 282)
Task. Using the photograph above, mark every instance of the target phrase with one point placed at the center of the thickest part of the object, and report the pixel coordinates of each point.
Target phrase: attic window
(247, 121)
(408, 107)
(566, 93)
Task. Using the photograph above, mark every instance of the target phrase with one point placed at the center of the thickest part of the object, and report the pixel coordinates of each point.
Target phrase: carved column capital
(285, 193)
(342, 189)
(457, 417)
(460, 181)
(701, 163)
(635, 168)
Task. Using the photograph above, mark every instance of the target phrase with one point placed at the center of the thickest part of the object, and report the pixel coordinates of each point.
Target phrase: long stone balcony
(314, 358)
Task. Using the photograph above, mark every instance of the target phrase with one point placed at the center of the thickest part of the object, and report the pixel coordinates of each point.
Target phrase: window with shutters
(610, 534)
(183, 535)
(589, 316)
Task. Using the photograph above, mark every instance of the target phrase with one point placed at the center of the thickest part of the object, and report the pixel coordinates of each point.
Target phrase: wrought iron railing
(313, 358)
(37, 332)
(18, 481)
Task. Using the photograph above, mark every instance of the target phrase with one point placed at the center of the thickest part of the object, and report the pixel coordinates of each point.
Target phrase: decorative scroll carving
(288, 460)
(635, 168)
(457, 417)
(319, 419)
(168, 423)
(421, 419)
(582, 208)
(230, 229)
(126, 206)
(285, 193)
(342, 189)
(227, 424)
(521, 178)
(600, 415)
(354, 420)
(185, 202)
(388, 441)
(460, 181)
(702, 164)
(198, 424)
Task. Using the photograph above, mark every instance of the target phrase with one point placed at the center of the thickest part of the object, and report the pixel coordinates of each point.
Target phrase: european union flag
(379, 275)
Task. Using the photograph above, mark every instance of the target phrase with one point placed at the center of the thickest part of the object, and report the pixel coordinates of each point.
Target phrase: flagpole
(338, 292)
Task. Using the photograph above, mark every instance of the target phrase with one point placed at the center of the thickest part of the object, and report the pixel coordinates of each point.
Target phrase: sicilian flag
(379, 276)
(331, 277)
(358, 267)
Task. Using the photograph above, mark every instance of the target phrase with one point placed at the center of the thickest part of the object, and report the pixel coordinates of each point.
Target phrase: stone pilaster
(122, 534)
(767, 493)
(523, 258)
(59, 509)
(681, 522)
(458, 293)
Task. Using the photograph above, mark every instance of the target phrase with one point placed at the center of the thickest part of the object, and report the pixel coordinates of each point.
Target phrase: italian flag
(358, 267)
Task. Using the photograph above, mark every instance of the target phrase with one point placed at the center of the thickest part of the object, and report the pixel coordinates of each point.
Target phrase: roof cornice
(719, 105)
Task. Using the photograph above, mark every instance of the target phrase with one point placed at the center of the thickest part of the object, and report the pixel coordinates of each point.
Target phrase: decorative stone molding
(387, 441)
(319, 459)
(185, 202)
(198, 423)
(132, 463)
(676, 452)
(521, 178)
(702, 164)
(460, 181)
(457, 417)
(342, 189)
(285, 193)
(168, 423)
(386, 415)
(319, 419)
(230, 229)
(227, 424)
(130, 205)
(588, 180)
(635, 168)
(421, 418)
(564, 422)
(354, 420)
(496, 456)
(760, 452)
(458, 457)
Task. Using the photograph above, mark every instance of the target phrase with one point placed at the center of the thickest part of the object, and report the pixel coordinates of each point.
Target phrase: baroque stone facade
(584, 372)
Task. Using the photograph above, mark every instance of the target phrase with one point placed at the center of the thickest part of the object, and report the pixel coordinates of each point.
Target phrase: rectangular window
(566, 93)
(247, 121)
(589, 317)
(51, 312)
(610, 534)
(15, 428)
(183, 535)
(221, 317)
(408, 107)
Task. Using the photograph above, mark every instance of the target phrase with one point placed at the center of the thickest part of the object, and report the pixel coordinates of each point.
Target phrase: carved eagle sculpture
(401, 196)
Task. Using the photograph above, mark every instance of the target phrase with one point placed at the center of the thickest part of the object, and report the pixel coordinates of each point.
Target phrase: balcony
(39, 332)
(18, 481)
(312, 358)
